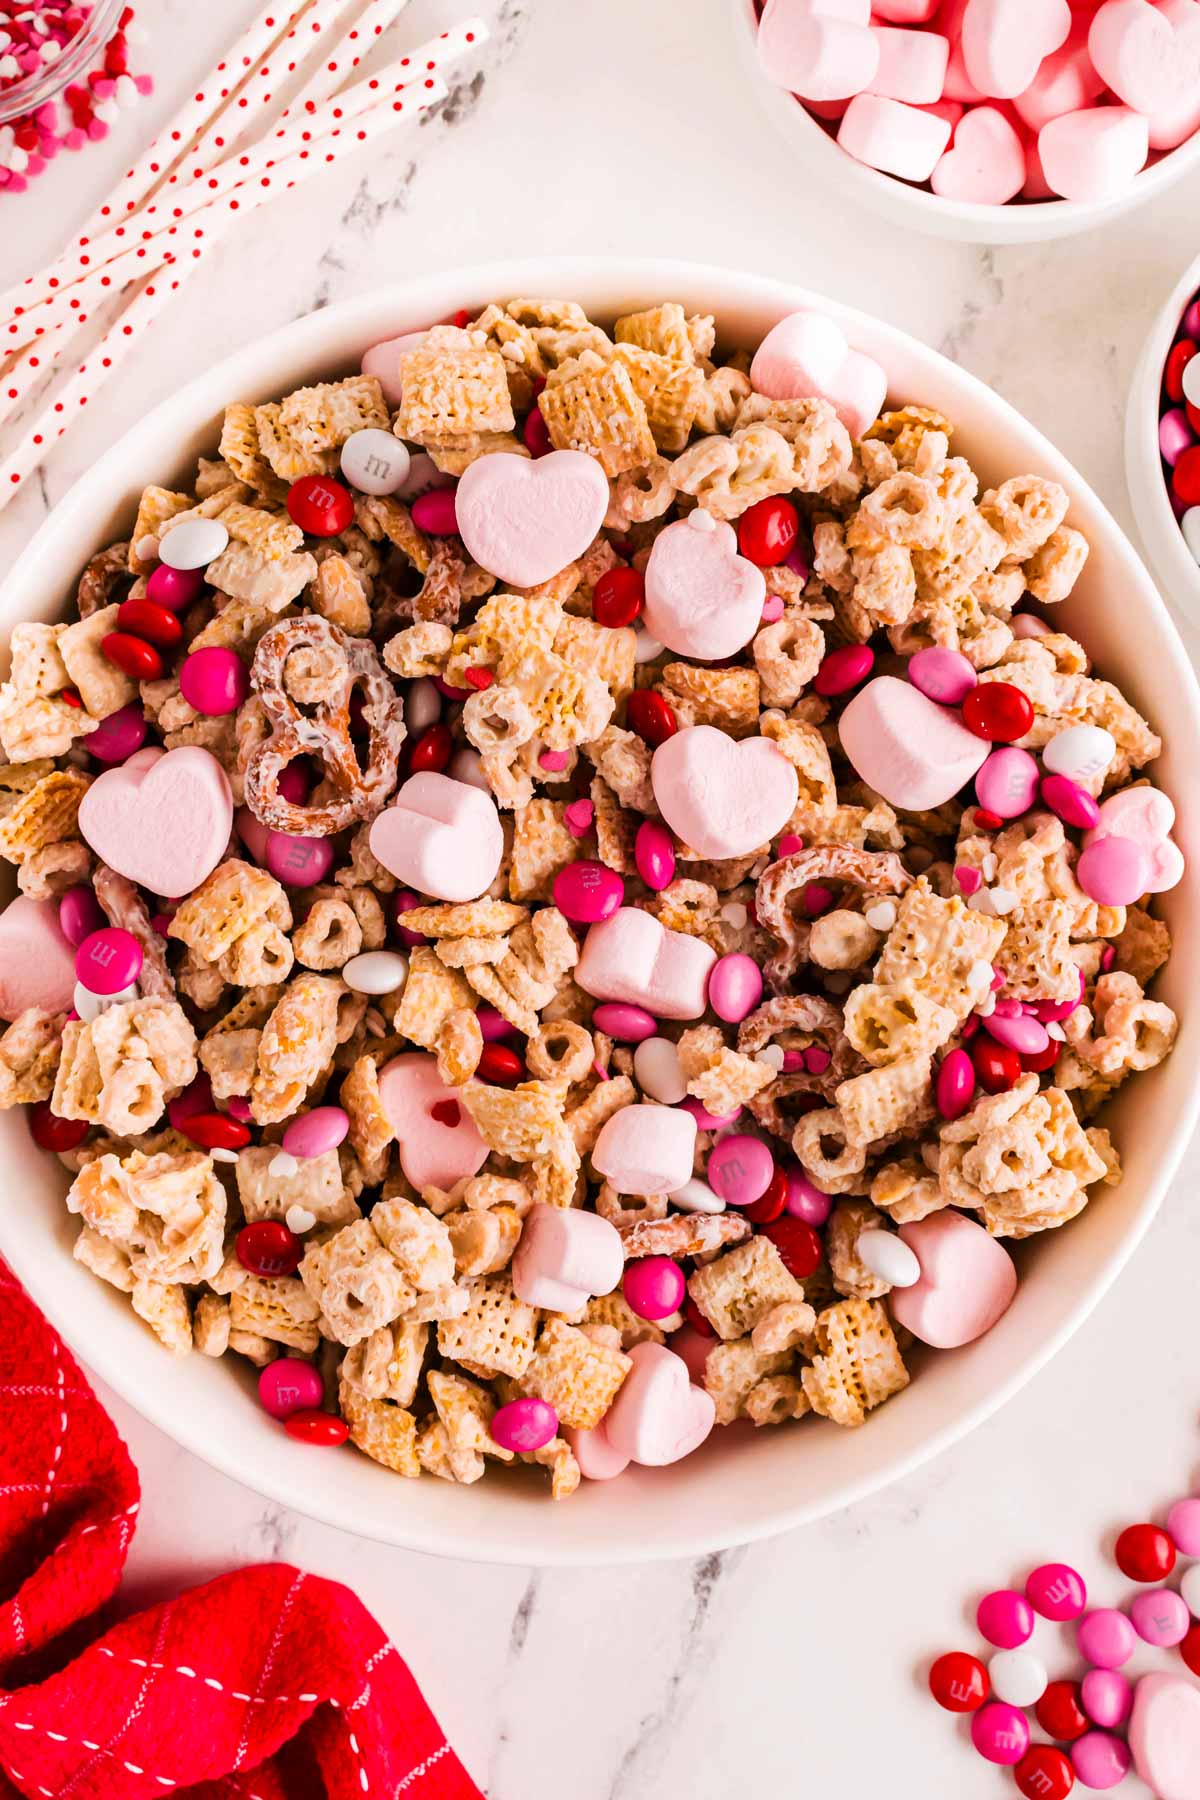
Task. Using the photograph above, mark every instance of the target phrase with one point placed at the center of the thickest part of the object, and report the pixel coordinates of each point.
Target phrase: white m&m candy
(192, 545)
(375, 462)
(889, 1257)
(1081, 753)
(1018, 1677)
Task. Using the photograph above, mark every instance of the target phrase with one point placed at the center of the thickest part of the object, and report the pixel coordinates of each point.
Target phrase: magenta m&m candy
(735, 987)
(1056, 1591)
(289, 1386)
(805, 1200)
(79, 914)
(174, 588)
(843, 669)
(118, 736)
(215, 681)
(1005, 1618)
(954, 1088)
(1069, 802)
(654, 854)
(654, 1286)
(108, 960)
(298, 861)
(1000, 1733)
(739, 1169)
(942, 675)
(524, 1425)
(587, 892)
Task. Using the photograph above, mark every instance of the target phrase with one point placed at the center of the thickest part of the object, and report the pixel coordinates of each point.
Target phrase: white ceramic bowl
(827, 166)
(742, 1485)
(1174, 564)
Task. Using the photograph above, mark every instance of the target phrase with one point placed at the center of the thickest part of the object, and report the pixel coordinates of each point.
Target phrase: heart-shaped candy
(1146, 815)
(525, 520)
(597, 1459)
(436, 1135)
(646, 1149)
(1164, 1735)
(441, 837)
(1066, 82)
(658, 1416)
(912, 751)
(37, 959)
(383, 362)
(967, 1281)
(806, 356)
(814, 49)
(702, 598)
(723, 796)
(165, 826)
(1171, 126)
(633, 958)
(299, 1219)
(565, 1257)
(1140, 54)
(1004, 42)
(985, 164)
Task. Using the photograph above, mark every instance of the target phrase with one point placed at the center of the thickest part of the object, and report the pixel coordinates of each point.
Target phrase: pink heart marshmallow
(634, 958)
(986, 164)
(702, 598)
(914, 752)
(1005, 42)
(440, 836)
(967, 1281)
(383, 362)
(525, 520)
(37, 959)
(723, 796)
(1093, 155)
(1140, 54)
(806, 356)
(1164, 1735)
(1146, 815)
(166, 825)
(1173, 125)
(819, 49)
(435, 1134)
(566, 1257)
(658, 1417)
(597, 1459)
(646, 1149)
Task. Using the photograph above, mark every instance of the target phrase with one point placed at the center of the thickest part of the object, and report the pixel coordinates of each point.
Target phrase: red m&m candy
(1181, 355)
(49, 1131)
(769, 1205)
(997, 1066)
(269, 1247)
(1144, 1553)
(1044, 1773)
(618, 597)
(1060, 1712)
(1185, 477)
(767, 531)
(146, 619)
(959, 1682)
(432, 750)
(132, 655)
(215, 1131)
(313, 1427)
(648, 714)
(997, 711)
(796, 1241)
(320, 506)
(500, 1066)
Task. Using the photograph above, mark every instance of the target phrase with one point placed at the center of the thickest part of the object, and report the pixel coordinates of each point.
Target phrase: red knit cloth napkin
(266, 1684)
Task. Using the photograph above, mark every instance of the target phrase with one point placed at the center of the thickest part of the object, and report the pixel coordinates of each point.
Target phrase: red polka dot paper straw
(106, 358)
(118, 256)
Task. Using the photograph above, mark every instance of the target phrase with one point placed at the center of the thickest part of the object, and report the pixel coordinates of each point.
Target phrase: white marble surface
(795, 1666)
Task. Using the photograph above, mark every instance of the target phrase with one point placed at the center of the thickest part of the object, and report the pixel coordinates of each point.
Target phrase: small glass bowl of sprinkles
(64, 77)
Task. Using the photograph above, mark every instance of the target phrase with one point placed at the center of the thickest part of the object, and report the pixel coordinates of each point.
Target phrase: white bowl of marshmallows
(994, 121)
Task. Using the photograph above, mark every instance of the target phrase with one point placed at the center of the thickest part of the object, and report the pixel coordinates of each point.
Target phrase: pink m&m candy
(79, 914)
(804, 1201)
(117, 736)
(627, 1024)
(586, 892)
(1160, 1618)
(1071, 803)
(298, 861)
(1106, 1695)
(1007, 784)
(1100, 1760)
(214, 681)
(1056, 1591)
(654, 1287)
(1183, 1520)
(1106, 1638)
(1113, 871)
(108, 960)
(1022, 1032)
(524, 1425)
(844, 669)
(955, 1086)
(404, 900)
(493, 1026)
(740, 1168)
(706, 1121)
(289, 1386)
(1000, 1733)
(654, 854)
(942, 675)
(1005, 1618)
(314, 1133)
(436, 512)
(735, 987)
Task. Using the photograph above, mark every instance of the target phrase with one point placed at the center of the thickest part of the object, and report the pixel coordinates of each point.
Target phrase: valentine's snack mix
(990, 101)
(566, 898)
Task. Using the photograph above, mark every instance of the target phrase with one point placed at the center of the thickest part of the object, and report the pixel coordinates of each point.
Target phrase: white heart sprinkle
(773, 1056)
(982, 902)
(299, 1219)
(990, 865)
(881, 916)
(735, 914)
(283, 1163)
(1003, 900)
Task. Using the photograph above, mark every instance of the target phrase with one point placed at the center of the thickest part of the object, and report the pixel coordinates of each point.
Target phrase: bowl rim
(1042, 219)
(1152, 509)
(601, 279)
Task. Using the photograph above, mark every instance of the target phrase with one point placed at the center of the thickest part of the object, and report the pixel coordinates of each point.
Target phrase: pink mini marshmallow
(566, 1257)
(986, 164)
(1066, 82)
(894, 138)
(814, 55)
(1094, 154)
(646, 1149)
(1005, 42)
(658, 1416)
(597, 1459)
(912, 65)
(634, 958)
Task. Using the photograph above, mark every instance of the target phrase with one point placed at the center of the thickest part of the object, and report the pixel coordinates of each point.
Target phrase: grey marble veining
(796, 1666)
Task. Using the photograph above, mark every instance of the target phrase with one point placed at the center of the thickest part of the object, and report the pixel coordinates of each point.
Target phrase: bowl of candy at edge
(1147, 474)
(741, 1485)
(905, 203)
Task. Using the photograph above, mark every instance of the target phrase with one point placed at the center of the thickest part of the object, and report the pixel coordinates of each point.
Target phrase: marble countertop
(796, 1665)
